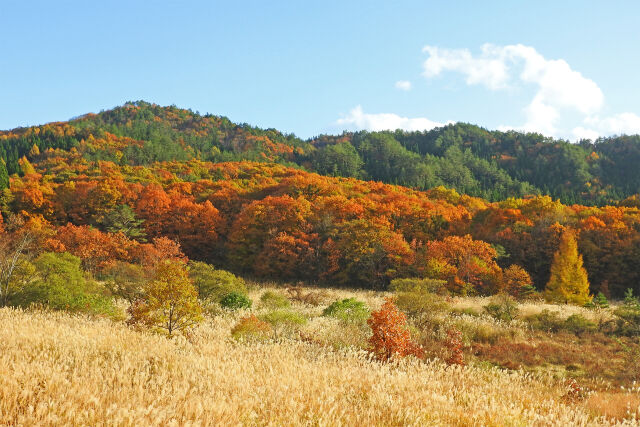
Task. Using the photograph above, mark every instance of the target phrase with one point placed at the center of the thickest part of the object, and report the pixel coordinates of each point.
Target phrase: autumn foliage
(170, 302)
(568, 282)
(454, 345)
(390, 334)
(108, 197)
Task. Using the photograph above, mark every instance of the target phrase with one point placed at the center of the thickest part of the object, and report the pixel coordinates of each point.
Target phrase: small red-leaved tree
(390, 333)
(454, 346)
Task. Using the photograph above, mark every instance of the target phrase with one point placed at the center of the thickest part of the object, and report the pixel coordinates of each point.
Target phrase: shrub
(629, 315)
(235, 301)
(550, 321)
(348, 310)
(420, 305)
(578, 324)
(251, 328)
(315, 298)
(518, 283)
(485, 330)
(390, 334)
(274, 300)
(465, 311)
(213, 285)
(454, 347)
(418, 285)
(546, 320)
(600, 301)
(61, 284)
(126, 280)
(284, 321)
(502, 307)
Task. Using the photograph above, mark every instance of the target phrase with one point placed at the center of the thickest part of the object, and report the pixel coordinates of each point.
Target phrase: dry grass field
(61, 369)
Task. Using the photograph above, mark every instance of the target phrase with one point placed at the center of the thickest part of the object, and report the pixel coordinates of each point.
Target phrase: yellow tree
(568, 282)
(170, 302)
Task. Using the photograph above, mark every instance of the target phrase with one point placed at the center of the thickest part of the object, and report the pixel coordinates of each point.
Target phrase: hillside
(59, 369)
(490, 164)
(162, 267)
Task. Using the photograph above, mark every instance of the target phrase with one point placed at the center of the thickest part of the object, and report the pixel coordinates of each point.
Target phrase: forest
(105, 187)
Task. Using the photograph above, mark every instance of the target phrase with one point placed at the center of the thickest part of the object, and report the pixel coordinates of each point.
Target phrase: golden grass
(59, 369)
(528, 308)
(615, 406)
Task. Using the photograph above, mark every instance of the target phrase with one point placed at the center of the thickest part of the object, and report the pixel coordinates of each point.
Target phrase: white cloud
(581, 132)
(624, 123)
(488, 70)
(358, 119)
(564, 104)
(594, 126)
(499, 67)
(403, 85)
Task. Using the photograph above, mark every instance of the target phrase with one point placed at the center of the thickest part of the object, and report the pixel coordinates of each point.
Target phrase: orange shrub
(390, 333)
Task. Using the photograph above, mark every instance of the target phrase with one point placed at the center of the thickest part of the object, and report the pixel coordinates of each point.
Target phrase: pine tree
(4, 175)
(568, 282)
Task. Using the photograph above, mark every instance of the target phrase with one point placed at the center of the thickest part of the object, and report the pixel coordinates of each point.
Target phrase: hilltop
(490, 164)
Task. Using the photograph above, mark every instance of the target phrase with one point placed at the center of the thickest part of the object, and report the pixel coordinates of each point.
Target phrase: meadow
(58, 368)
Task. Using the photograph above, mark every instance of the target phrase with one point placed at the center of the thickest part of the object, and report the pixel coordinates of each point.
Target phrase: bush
(390, 333)
(274, 300)
(235, 301)
(546, 320)
(126, 280)
(465, 311)
(454, 347)
(502, 307)
(348, 310)
(314, 298)
(284, 321)
(61, 284)
(550, 321)
(418, 285)
(629, 315)
(251, 328)
(213, 285)
(420, 305)
(578, 324)
(600, 301)
(485, 330)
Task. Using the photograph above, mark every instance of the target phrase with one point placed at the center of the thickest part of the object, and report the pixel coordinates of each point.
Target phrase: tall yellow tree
(568, 282)
(170, 302)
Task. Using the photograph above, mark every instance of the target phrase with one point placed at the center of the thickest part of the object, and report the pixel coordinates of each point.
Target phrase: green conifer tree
(4, 175)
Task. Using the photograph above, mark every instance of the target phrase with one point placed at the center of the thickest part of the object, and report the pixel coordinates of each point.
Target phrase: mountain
(143, 181)
(490, 164)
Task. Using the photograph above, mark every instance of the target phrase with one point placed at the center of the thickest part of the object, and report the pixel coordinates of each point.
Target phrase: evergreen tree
(4, 175)
(568, 282)
(123, 220)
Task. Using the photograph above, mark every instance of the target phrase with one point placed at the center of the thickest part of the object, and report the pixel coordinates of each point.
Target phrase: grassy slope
(59, 369)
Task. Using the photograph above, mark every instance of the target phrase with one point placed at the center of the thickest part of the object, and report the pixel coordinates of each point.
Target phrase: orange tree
(465, 264)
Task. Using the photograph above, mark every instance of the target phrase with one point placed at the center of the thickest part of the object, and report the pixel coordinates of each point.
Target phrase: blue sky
(564, 68)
